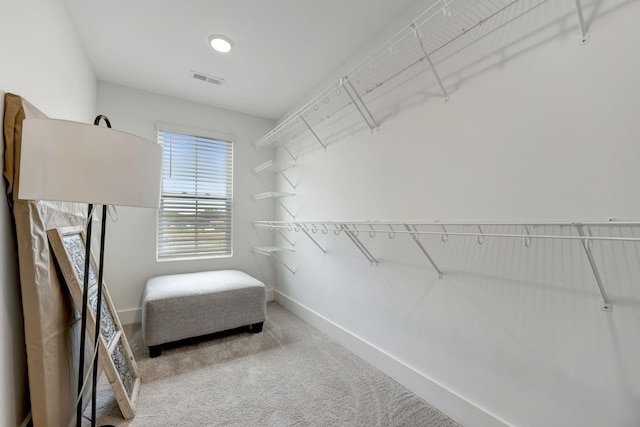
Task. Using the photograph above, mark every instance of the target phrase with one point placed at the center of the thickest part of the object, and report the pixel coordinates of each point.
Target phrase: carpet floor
(290, 374)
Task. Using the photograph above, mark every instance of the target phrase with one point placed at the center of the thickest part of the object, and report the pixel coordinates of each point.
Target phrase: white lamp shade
(77, 162)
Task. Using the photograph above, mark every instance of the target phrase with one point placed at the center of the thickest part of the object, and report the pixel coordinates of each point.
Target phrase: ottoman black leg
(155, 350)
(257, 327)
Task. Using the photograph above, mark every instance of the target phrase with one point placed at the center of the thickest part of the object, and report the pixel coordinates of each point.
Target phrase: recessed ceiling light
(220, 43)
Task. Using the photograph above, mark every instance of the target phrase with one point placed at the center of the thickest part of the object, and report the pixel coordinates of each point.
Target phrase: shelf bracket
(605, 305)
(433, 67)
(424, 251)
(584, 33)
(282, 174)
(527, 240)
(368, 118)
(313, 132)
(445, 9)
(285, 238)
(305, 231)
(282, 263)
(274, 256)
(286, 209)
(359, 244)
(289, 153)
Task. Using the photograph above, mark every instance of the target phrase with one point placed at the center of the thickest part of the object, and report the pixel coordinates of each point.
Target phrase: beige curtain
(50, 320)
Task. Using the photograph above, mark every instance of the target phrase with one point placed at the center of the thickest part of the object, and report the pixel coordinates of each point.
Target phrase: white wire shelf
(276, 167)
(272, 166)
(527, 231)
(271, 251)
(271, 195)
(443, 29)
(439, 228)
(268, 250)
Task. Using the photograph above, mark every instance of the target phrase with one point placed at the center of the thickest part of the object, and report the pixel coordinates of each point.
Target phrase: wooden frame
(114, 353)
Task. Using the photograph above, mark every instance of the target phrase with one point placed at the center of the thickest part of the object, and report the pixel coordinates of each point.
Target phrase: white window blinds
(194, 219)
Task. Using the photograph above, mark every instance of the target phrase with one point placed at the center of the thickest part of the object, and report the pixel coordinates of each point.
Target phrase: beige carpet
(289, 375)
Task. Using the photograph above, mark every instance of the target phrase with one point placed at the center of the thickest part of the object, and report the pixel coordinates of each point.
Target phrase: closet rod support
(289, 153)
(605, 305)
(286, 209)
(433, 67)
(313, 132)
(304, 230)
(359, 244)
(285, 238)
(373, 120)
(584, 34)
(282, 174)
(368, 120)
(424, 251)
(283, 263)
(274, 256)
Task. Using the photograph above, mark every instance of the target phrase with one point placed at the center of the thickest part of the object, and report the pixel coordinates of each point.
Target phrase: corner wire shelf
(271, 195)
(271, 251)
(525, 231)
(440, 31)
(271, 166)
(277, 196)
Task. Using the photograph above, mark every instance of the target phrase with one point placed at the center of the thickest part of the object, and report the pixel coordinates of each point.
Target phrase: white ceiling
(283, 48)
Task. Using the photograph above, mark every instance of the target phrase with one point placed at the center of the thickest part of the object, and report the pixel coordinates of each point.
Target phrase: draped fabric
(50, 321)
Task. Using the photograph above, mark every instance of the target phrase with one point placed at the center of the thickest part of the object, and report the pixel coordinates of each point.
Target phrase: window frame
(205, 134)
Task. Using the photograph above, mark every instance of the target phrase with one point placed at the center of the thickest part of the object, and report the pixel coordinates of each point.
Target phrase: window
(195, 215)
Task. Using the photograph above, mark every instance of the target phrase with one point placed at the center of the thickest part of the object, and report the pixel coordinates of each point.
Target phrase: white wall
(130, 257)
(42, 60)
(537, 129)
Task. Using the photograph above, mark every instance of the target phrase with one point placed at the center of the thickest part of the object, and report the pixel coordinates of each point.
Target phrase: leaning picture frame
(114, 354)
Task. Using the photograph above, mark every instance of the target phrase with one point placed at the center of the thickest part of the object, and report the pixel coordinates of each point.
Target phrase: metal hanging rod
(399, 228)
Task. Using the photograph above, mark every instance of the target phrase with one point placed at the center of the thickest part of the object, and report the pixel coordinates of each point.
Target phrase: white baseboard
(132, 316)
(271, 295)
(448, 401)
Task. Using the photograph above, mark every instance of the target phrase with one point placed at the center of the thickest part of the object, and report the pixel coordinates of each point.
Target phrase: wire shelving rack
(443, 29)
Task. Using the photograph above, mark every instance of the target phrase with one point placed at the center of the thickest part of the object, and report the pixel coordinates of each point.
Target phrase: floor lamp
(77, 162)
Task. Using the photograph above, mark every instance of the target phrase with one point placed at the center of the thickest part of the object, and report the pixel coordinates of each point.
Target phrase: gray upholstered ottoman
(180, 306)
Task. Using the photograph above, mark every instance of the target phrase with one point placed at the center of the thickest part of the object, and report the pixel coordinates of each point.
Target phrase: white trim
(130, 316)
(448, 401)
(169, 200)
(271, 295)
(206, 133)
(192, 258)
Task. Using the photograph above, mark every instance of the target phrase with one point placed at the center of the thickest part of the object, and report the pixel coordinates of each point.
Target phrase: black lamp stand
(85, 297)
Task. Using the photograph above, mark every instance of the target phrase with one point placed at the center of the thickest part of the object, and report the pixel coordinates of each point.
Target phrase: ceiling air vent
(205, 78)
